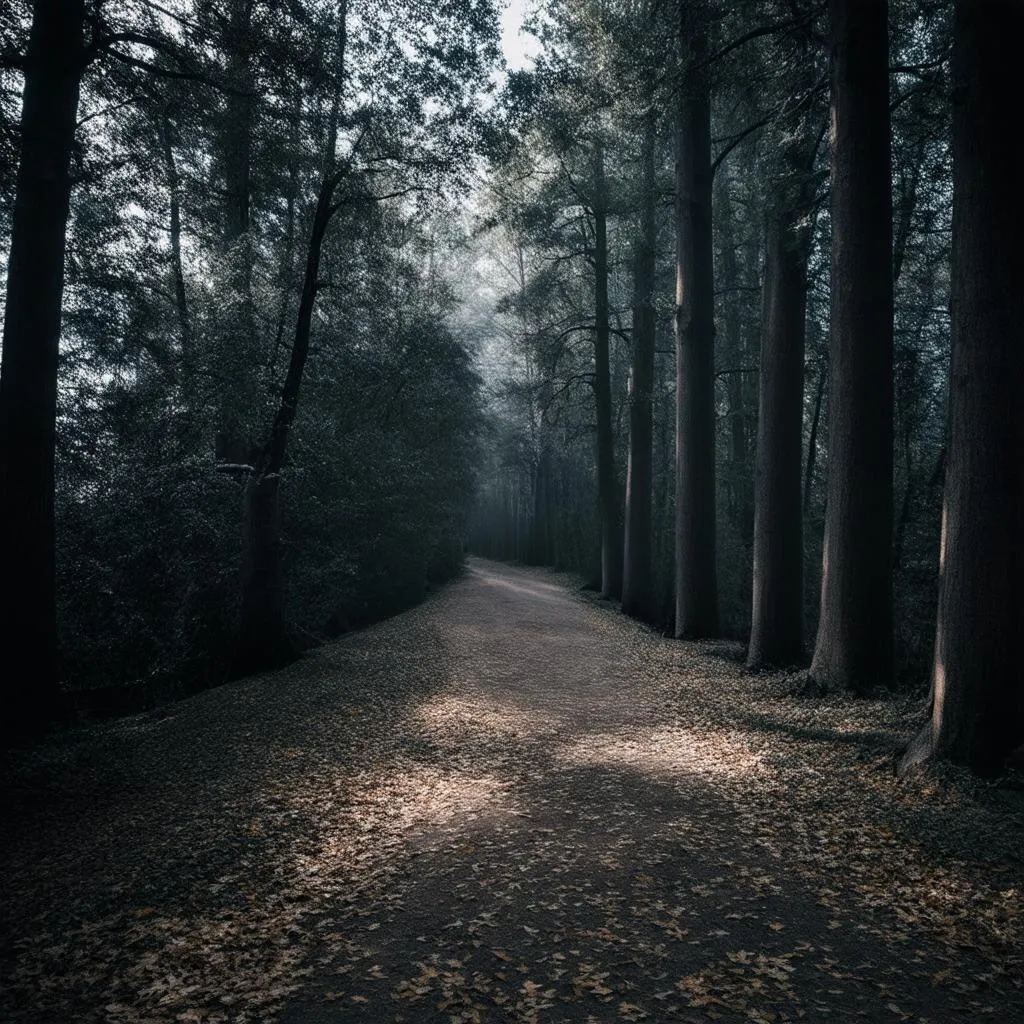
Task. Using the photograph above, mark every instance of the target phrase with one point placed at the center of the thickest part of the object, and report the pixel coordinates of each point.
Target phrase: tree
(53, 70)
(637, 583)
(977, 700)
(540, 502)
(854, 646)
(405, 167)
(263, 641)
(571, 209)
(738, 477)
(696, 583)
(776, 634)
(608, 491)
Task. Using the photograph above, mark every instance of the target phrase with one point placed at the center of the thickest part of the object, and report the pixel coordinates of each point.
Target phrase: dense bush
(377, 495)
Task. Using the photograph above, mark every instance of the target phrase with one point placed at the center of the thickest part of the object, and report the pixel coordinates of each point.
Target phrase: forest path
(509, 804)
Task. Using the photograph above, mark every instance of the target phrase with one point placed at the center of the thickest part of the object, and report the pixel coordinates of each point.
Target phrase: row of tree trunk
(977, 709)
(626, 567)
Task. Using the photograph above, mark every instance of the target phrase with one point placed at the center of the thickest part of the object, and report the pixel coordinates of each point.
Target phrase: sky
(518, 48)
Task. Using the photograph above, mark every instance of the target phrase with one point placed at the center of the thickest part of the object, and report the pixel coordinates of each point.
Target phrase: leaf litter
(508, 804)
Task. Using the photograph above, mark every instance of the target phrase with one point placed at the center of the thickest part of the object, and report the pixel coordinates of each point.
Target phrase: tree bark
(607, 484)
(812, 440)
(977, 713)
(240, 335)
(776, 634)
(263, 641)
(696, 583)
(854, 647)
(28, 373)
(739, 490)
(637, 584)
(540, 530)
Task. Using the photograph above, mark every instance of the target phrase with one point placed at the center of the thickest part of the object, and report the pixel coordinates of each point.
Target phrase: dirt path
(510, 804)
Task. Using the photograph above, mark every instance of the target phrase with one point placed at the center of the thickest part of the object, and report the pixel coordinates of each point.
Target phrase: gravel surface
(509, 804)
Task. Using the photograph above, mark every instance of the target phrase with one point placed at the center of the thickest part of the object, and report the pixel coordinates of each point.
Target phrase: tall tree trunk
(696, 584)
(854, 648)
(28, 372)
(540, 543)
(978, 679)
(607, 484)
(637, 585)
(240, 334)
(663, 497)
(263, 641)
(776, 634)
(554, 520)
(812, 440)
(177, 268)
(739, 490)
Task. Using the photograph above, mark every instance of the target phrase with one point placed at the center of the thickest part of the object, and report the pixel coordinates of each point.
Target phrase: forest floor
(508, 804)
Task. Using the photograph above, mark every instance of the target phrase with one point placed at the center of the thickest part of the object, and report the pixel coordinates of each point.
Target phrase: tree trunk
(696, 585)
(854, 648)
(262, 623)
(637, 585)
(263, 642)
(739, 491)
(540, 544)
(240, 324)
(607, 484)
(263, 638)
(977, 679)
(177, 268)
(776, 634)
(31, 339)
(812, 440)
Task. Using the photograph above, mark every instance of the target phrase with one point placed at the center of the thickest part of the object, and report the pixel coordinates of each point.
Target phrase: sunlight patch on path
(667, 752)
(520, 779)
(455, 715)
(423, 795)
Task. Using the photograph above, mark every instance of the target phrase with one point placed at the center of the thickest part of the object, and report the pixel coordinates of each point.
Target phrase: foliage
(204, 127)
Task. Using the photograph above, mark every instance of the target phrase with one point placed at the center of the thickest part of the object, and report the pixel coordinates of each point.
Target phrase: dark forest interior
(708, 313)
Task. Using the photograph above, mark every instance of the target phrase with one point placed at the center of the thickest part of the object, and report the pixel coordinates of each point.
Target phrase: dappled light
(461, 714)
(417, 798)
(665, 753)
(402, 825)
